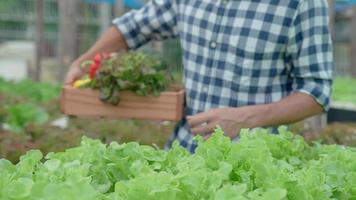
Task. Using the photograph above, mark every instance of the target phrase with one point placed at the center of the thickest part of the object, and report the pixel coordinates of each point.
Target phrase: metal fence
(17, 22)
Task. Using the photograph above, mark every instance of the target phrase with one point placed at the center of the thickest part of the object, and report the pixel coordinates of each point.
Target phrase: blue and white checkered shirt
(240, 52)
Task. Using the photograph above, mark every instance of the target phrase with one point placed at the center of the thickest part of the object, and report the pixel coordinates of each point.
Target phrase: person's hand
(74, 73)
(231, 120)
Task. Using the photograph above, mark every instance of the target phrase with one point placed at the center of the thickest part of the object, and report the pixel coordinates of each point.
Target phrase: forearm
(110, 41)
(293, 108)
(290, 109)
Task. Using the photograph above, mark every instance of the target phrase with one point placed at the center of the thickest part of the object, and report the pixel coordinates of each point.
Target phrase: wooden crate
(86, 103)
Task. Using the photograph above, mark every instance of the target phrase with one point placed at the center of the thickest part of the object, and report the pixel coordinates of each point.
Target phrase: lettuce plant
(260, 166)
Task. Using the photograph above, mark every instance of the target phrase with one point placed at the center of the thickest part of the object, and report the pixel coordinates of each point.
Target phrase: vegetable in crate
(132, 71)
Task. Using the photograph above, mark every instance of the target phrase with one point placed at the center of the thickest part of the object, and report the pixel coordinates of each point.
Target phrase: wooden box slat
(86, 103)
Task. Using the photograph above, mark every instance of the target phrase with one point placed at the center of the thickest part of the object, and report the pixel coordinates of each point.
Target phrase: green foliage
(259, 167)
(20, 115)
(172, 54)
(344, 90)
(33, 91)
(20, 106)
(131, 71)
(6, 6)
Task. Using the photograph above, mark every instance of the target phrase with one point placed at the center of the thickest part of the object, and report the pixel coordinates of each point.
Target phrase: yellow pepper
(81, 83)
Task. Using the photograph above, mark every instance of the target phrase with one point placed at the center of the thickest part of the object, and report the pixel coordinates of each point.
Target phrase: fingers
(72, 75)
(207, 136)
(69, 80)
(204, 129)
(202, 123)
(199, 119)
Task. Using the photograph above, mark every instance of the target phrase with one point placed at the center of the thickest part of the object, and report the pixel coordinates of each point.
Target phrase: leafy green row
(34, 91)
(19, 116)
(260, 166)
(20, 108)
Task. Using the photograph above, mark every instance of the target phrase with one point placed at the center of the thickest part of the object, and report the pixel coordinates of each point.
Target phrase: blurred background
(47, 35)
(40, 38)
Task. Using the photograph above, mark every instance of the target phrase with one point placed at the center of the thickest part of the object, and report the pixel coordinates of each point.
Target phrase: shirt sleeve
(156, 20)
(309, 51)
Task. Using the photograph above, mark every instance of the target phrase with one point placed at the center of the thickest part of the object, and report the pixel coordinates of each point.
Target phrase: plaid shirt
(240, 52)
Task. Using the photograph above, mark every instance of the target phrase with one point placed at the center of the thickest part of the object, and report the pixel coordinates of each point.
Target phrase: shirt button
(213, 45)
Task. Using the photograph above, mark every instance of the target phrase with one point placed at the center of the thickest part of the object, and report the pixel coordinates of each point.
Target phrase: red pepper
(95, 65)
(92, 70)
(97, 59)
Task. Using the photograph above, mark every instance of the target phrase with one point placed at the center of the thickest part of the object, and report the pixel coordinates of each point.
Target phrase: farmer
(247, 63)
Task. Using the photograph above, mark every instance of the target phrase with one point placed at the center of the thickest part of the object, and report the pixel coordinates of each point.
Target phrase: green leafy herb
(260, 166)
(20, 115)
(344, 90)
(131, 71)
(34, 91)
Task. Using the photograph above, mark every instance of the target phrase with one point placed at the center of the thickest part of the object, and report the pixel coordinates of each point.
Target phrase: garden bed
(14, 112)
(260, 166)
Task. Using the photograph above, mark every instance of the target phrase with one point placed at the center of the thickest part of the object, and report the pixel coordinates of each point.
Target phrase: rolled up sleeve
(309, 51)
(155, 21)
